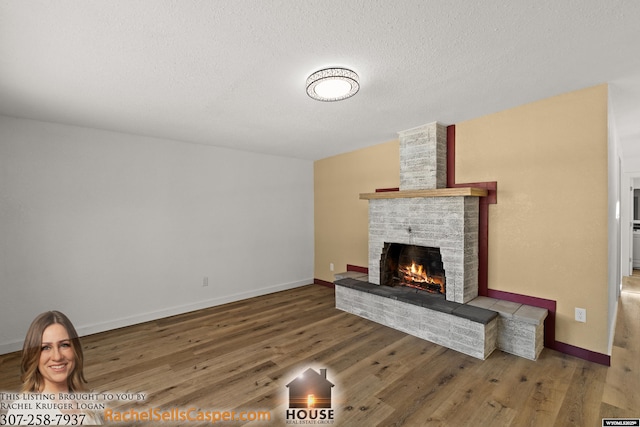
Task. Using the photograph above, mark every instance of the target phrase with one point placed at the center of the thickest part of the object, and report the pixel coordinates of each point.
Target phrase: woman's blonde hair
(32, 380)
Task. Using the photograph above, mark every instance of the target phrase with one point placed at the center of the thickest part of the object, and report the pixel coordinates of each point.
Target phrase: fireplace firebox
(415, 266)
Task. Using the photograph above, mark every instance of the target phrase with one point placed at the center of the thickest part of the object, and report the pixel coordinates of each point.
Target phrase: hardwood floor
(240, 357)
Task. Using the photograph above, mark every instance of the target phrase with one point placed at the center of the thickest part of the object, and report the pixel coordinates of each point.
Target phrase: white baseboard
(612, 330)
(83, 330)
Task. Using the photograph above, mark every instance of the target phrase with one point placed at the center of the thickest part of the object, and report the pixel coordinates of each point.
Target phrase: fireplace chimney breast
(423, 157)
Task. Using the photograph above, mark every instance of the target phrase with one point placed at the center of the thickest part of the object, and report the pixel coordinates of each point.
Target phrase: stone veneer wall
(423, 157)
(448, 223)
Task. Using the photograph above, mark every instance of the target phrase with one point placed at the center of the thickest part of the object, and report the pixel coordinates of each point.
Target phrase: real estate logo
(310, 399)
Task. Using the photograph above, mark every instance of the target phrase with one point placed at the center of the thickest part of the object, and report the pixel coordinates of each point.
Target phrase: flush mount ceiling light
(332, 84)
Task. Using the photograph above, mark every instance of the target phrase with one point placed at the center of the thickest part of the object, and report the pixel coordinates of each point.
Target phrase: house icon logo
(310, 397)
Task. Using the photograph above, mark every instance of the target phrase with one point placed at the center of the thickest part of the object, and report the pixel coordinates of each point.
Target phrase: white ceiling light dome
(332, 84)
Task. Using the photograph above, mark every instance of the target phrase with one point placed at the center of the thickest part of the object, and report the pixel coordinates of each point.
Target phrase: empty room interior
(428, 211)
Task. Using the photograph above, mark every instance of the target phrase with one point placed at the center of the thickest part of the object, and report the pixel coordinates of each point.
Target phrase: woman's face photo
(57, 358)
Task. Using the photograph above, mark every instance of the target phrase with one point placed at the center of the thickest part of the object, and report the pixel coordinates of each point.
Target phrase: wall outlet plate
(581, 315)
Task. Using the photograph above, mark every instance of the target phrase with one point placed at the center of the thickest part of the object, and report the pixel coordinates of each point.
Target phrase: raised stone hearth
(465, 328)
(475, 329)
(520, 326)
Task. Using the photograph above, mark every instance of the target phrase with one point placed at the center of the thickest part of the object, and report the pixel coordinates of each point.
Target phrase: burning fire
(415, 275)
(311, 401)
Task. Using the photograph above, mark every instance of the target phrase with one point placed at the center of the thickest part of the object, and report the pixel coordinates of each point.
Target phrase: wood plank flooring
(632, 283)
(241, 355)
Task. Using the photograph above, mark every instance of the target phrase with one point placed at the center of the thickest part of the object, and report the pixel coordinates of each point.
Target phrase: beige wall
(341, 218)
(548, 232)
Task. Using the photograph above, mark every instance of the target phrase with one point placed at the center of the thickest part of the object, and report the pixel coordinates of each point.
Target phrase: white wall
(115, 229)
(631, 165)
(613, 228)
(630, 179)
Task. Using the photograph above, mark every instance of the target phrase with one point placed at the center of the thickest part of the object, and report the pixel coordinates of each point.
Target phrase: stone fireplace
(448, 224)
(424, 213)
(424, 259)
(423, 249)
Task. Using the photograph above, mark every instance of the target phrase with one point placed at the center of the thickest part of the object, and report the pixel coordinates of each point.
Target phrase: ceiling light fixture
(332, 84)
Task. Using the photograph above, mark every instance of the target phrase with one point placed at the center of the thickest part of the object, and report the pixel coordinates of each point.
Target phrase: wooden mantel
(440, 192)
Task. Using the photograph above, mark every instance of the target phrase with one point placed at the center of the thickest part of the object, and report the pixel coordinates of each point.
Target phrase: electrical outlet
(330, 266)
(205, 281)
(581, 315)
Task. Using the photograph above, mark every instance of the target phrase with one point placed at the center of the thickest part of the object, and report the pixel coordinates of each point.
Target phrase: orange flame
(416, 273)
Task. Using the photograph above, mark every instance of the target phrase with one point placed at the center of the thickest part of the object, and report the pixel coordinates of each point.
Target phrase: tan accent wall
(548, 232)
(341, 218)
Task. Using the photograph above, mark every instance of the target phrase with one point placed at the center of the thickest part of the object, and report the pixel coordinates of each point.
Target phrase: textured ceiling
(232, 73)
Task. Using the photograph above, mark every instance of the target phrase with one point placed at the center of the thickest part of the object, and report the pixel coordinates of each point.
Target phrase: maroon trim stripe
(364, 270)
(492, 198)
(582, 353)
(323, 283)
